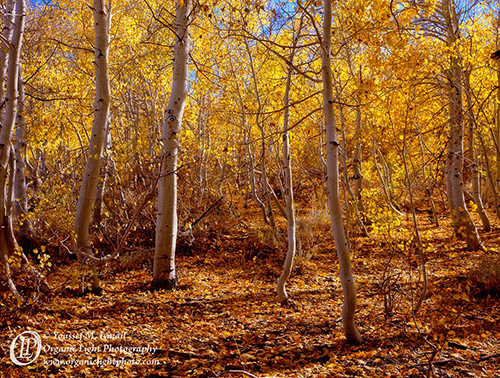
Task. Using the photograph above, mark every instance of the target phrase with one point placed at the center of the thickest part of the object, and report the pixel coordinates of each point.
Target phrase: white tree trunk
(102, 20)
(164, 274)
(8, 27)
(497, 102)
(346, 276)
(7, 241)
(101, 184)
(268, 212)
(464, 224)
(476, 193)
(497, 116)
(287, 167)
(20, 195)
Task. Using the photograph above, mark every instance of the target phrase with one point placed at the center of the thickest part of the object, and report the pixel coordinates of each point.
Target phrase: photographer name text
(87, 335)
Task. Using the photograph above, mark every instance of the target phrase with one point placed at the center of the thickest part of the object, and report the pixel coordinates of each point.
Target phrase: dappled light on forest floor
(225, 316)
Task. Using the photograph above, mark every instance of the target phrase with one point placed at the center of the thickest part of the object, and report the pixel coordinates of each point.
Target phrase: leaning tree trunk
(102, 20)
(287, 167)
(7, 241)
(164, 274)
(464, 225)
(332, 146)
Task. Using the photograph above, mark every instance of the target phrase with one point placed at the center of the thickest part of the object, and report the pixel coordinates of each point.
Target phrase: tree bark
(7, 241)
(101, 184)
(265, 184)
(332, 145)
(20, 195)
(476, 192)
(287, 167)
(102, 20)
(464, 225)
(164, 273)
(8, 27)
(497, 102)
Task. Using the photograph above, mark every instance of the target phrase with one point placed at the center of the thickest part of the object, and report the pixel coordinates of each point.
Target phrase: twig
(147, 198)
(495, 355)
(238, 372)
(206, 211)
(440, 362)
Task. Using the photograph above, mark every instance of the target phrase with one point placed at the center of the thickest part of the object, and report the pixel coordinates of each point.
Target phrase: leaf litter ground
(224, 316)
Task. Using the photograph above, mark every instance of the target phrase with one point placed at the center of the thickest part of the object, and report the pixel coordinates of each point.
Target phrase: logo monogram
(25, 348)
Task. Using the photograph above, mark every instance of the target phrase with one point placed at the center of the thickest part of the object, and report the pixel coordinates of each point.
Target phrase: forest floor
(225, 317)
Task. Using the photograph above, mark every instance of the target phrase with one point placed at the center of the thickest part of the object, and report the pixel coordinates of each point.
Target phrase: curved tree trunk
(287, 167)
(164, 274)
(332, 145)
(102, 20)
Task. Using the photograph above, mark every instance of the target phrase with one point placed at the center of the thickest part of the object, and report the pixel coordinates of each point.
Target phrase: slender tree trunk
(248, 144)
(383, 182)
(464, 224)
(332, 146)
(101, 184)
(357, 159)
(164, 273)
(420, 248)
(357, 154)
(20, 195)
(260, 126)
(358, 175)
(7, 241)
(102, 20)
(287, 167)
(489, 173)
(497, 103)
(497, 117)
(350, 199)
(8, 27)
(476, 192)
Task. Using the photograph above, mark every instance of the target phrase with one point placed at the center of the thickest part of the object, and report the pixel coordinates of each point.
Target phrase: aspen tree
(287, 167)
(246, 141)
(463, 222)
(102, 20)
(8, 27)
(332, 146)
(260, 125)
(164, 273)
(20, 191)
(7, 241)
(471, 156)
(497, 103)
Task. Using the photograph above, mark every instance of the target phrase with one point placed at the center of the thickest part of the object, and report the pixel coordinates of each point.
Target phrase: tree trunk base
(166, 284)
